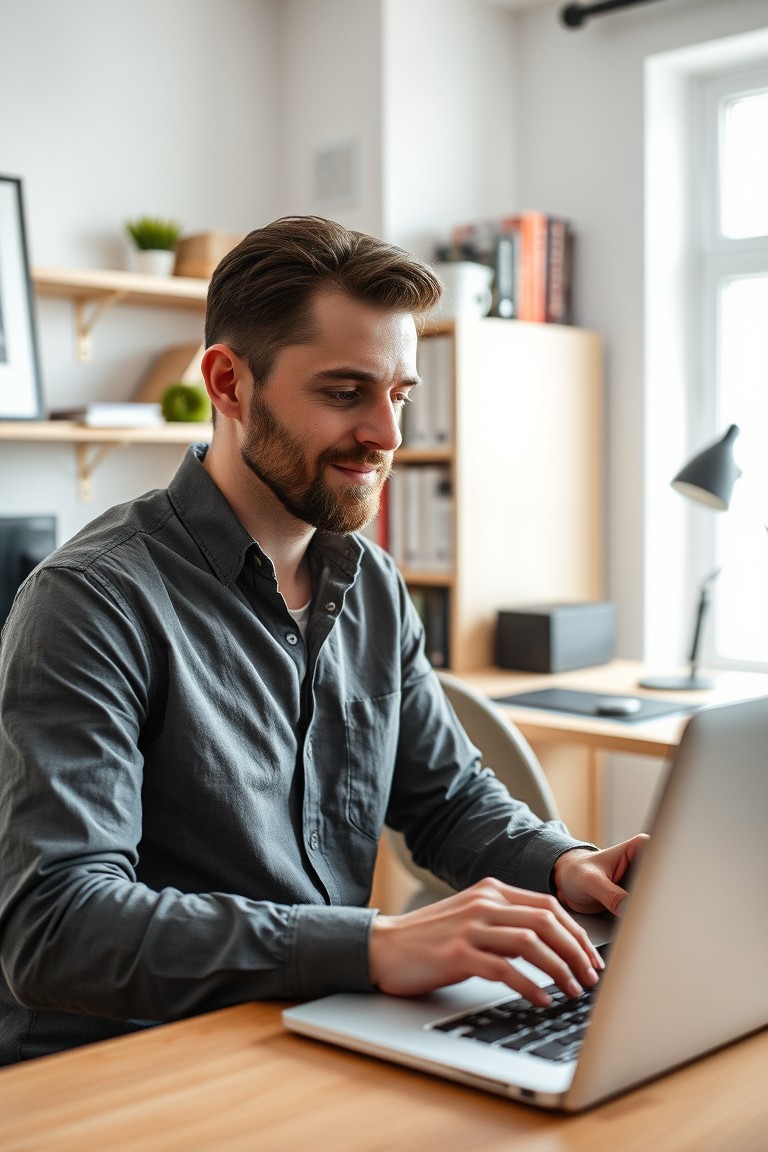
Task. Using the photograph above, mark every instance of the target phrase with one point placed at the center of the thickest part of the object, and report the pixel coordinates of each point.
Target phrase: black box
(556, 637)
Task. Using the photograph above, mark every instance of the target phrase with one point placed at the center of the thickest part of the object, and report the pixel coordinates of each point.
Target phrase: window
(730, 339)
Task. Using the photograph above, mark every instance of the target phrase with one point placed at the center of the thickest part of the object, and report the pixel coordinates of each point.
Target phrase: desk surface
(657, 737)
(235, 1081)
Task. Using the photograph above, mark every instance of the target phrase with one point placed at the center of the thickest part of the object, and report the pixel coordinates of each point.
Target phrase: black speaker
(556, 637)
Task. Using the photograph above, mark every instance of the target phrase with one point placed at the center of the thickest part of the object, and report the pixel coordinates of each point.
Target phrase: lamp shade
(710, 476)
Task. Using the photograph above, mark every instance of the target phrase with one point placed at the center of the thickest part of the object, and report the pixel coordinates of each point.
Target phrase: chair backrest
(504, 749)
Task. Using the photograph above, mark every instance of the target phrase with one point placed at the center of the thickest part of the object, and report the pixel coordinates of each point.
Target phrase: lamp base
(676, 683)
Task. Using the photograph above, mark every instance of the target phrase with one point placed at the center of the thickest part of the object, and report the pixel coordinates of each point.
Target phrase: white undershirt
(301, 617)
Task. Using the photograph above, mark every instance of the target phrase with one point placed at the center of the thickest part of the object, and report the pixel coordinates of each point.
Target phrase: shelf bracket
(87, 313)
(88, 459)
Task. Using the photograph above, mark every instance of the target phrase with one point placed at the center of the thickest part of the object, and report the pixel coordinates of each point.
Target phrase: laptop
(685, 973)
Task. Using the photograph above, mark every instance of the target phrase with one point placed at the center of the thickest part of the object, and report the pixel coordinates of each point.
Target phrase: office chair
(504, 749)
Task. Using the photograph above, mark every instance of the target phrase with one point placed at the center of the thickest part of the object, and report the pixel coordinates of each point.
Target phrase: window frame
(718, 259)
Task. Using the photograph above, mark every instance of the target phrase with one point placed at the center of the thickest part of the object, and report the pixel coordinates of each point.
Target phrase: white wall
(450, 152)
(330, 94)
(112, 110)
(424, 88)
(581, 139)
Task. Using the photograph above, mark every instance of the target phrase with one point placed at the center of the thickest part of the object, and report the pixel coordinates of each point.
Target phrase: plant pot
(154, 261)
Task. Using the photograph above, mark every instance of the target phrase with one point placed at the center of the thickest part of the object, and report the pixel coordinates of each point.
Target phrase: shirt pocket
(372, 730)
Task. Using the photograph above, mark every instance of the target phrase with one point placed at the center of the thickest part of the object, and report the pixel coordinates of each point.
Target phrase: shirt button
(314, 841)
(292, 638)
(309, 749)
(330, 606)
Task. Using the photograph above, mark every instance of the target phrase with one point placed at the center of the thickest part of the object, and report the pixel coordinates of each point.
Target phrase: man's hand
(588, 881)
(476, 933)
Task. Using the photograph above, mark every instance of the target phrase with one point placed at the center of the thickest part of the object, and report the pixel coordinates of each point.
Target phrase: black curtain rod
(574, 15)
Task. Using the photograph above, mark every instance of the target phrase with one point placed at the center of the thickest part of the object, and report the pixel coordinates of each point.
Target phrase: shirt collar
(210, 520)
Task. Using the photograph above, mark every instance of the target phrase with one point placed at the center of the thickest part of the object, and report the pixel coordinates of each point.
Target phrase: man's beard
(279, 461)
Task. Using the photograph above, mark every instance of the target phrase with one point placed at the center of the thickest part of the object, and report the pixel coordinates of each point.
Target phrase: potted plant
(154, 242)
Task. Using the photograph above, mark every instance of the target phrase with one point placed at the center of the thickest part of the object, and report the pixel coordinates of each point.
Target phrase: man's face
(323, 428)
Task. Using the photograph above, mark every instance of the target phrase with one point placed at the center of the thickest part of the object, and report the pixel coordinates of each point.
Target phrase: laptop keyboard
(553, 1033)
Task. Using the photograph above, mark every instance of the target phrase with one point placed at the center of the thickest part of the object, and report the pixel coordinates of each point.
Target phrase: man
(213, 697)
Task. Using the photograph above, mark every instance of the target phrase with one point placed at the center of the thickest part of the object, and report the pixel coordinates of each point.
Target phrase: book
(534, 239)
(506, 264)
(436, 626)
(105, 414)
(432, 607)
(559, 271)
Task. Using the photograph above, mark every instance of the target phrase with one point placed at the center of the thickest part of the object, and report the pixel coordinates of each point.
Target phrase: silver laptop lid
(687, 973)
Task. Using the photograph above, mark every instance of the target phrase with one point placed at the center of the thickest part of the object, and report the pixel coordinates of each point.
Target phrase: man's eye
(403, 399)
(345, 394)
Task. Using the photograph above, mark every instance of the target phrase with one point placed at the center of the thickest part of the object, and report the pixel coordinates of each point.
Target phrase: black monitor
(24, 542)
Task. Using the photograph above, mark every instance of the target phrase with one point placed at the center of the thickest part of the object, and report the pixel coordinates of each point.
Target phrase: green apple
(186, 403)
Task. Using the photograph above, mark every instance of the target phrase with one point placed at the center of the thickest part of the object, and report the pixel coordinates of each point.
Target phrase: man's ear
(226, 379)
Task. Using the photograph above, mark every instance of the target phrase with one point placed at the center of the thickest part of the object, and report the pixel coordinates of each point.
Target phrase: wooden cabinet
(526, 466)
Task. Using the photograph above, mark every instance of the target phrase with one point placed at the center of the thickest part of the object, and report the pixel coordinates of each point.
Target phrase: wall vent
(335, 176)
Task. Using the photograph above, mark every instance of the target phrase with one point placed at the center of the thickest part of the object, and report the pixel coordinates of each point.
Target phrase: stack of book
(105, 414)
(532, 257)
(428, 419)
(420, 518)
(415, 518)
(432, 606)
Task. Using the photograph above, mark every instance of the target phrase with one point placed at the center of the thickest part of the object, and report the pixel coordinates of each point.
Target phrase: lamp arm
(701, 612)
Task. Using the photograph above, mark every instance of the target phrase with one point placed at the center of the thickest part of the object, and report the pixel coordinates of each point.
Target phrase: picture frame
(20, 384)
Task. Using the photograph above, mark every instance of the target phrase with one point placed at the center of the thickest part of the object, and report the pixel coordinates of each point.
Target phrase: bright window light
(744, 172)
(741, 622)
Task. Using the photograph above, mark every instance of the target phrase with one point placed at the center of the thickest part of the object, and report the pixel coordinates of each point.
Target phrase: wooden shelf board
(70, 432)
(132, 288)
(422, 577)
(423, 456)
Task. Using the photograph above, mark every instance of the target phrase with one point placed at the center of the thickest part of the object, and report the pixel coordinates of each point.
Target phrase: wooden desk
(657, 737)
(235, 1081)
(570, 747)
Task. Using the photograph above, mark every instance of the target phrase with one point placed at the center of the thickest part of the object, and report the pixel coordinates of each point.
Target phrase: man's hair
(259, 298)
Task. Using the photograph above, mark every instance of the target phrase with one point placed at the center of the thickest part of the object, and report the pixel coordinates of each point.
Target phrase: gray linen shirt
(191, 797)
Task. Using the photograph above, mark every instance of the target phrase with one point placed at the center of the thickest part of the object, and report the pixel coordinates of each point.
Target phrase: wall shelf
(94, 291)
(93, 444)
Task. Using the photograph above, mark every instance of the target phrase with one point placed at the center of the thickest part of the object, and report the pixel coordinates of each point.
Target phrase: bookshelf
(524, 459)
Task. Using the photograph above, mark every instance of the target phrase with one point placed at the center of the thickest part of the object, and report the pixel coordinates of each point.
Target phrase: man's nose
(381, 428)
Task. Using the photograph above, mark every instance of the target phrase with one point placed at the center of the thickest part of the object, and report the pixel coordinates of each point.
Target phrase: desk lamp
(709, 479)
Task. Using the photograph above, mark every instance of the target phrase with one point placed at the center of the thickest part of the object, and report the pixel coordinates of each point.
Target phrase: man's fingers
(500, 970)
(546, 915)
(477, 933)
(564, 963)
